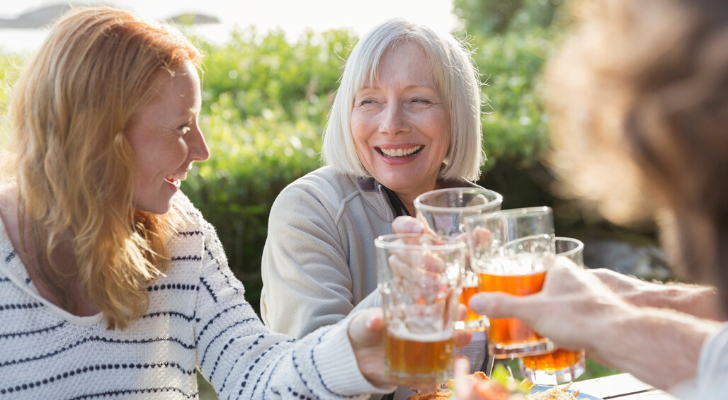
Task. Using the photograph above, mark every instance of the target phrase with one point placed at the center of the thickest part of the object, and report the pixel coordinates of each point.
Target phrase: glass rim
(385, 242)
(419, 205)
(516, 212)
(579, 245)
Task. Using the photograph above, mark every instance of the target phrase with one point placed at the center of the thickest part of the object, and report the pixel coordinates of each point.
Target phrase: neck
(408, 198)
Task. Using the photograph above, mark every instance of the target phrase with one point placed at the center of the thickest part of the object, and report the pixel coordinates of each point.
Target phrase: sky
(293, 16)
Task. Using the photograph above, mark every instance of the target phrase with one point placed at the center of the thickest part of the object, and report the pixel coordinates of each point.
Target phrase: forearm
(660, 347)
(698, 301)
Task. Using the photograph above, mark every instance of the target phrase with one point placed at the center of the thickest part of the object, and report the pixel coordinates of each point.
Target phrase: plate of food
(510, 389)
(557, 393)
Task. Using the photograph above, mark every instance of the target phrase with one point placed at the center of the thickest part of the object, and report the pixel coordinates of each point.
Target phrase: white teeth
(176, 177)
(400, 152)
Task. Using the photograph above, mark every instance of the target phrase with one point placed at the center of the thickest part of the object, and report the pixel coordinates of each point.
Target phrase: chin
(398, 184)
(159, 208)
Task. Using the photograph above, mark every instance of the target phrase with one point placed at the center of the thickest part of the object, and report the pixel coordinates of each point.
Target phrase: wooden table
(621, 387)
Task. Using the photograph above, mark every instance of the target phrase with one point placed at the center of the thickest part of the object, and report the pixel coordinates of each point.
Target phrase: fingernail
(415, 227)
(370, 321)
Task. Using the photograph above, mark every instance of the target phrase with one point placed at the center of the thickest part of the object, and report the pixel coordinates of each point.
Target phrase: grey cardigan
(319, 260)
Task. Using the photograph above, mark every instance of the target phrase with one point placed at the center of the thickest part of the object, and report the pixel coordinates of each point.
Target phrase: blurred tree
(488, 17)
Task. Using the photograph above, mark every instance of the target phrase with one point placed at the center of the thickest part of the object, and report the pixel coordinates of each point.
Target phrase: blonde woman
(111, 282)
(406, 120)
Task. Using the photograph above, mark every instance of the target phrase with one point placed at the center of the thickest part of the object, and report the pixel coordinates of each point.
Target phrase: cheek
(440, 134)
(360, 132)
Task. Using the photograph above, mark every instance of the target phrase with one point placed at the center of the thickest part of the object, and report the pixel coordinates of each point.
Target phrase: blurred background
(269, 76)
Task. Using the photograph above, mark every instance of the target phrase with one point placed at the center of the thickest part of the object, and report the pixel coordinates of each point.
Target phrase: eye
(184, 128)
(366, 101)
(421, 100)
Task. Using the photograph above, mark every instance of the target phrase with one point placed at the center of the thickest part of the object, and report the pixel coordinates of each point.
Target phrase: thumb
(502, 305)
(405, 224)
(365, 329)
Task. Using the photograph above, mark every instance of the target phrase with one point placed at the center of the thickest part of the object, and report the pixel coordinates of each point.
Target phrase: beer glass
(420, 278)
(511, 252)
(443, 212)
(560, 365)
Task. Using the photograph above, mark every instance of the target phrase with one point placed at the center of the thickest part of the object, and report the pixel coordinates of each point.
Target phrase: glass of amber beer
(420, 278)
(444, 211)
(511, 251)
(560, 365)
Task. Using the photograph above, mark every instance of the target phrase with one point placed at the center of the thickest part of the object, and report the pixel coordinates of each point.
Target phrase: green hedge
(514, 124)
(10, 67)
(265, 103)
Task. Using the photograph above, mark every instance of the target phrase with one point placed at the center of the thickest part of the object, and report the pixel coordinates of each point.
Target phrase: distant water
(21, 40)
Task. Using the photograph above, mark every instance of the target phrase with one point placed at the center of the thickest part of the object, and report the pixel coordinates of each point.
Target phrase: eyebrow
(366, 87)
(189, 111)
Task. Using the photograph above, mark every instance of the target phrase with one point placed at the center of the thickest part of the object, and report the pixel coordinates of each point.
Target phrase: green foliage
(265, 102)
(295, 81)
(10, 68)
(488, 17)
(514, 124)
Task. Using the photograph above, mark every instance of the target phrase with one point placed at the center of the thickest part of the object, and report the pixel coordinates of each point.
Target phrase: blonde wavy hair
(638, 100)
(74, 168)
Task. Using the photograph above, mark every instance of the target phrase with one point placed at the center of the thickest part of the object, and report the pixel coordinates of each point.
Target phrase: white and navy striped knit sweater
(197, 318)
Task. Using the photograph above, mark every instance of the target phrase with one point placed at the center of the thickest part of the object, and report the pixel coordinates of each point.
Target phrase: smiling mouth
(176, 179)
(400, 153)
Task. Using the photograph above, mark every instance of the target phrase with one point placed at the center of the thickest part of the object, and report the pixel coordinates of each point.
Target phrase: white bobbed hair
(458, 82)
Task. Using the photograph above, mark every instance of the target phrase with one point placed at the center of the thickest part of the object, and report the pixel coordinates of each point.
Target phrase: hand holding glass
(443, 212)
(511, 251)
(560, 365)
(420, 278)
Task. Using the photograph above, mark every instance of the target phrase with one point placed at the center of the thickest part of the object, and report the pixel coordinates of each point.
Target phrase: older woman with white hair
(406, 120)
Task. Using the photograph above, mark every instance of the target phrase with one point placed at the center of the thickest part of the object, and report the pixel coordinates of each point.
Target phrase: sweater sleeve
(242, 359)
(307, 283)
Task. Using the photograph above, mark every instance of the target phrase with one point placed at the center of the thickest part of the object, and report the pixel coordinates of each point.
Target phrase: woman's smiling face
(166, 139)
(401, 124)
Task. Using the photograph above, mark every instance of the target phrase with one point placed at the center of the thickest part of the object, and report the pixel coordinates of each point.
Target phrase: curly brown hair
(638, 104)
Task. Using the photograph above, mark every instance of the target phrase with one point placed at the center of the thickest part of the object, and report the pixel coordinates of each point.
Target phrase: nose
(198, 150)
(394, 119)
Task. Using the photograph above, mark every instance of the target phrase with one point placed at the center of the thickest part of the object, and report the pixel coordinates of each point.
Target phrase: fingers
(502, 305)
(405, 224)
(462, 312)
(365, 329)
(463, 385)
(480, 239)
(365, 335)
(461, 338)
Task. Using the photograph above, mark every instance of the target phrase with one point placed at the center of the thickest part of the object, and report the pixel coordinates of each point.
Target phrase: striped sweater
(197, 318)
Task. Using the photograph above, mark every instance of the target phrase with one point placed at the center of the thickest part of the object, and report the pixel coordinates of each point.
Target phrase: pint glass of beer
(443, 212)
(420, 278)
(511, 251)
(560, 365)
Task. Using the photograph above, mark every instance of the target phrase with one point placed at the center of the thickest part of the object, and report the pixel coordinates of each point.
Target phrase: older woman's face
(166, 139)
(400, 123)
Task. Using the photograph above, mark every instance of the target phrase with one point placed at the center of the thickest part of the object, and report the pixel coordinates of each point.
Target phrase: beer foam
(404, 334)
(519, 264)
